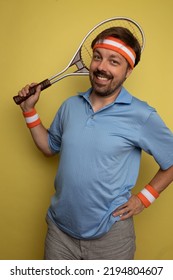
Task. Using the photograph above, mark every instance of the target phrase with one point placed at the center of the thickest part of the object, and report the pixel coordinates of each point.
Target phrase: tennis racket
(82, 57)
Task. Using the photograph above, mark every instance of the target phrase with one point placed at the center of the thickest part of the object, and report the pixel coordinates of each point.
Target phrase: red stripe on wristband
(152, 191)
(29, 113)
(33, 124)
(144, 200)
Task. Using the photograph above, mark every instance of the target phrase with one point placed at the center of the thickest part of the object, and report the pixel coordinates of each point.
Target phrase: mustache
(102, 74)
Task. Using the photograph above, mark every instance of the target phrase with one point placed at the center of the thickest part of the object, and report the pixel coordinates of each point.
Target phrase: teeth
(102, 78)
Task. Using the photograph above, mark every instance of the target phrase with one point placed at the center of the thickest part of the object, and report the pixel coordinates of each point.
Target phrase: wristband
(32, 119)
(148, 195)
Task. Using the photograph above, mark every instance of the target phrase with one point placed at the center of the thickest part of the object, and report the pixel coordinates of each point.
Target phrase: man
(100, 135)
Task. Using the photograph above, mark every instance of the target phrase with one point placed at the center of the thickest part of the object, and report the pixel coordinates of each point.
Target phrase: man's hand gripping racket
(82, 57)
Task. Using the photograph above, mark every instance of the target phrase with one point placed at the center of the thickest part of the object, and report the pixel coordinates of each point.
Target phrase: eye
(96, 57)
(114, 62)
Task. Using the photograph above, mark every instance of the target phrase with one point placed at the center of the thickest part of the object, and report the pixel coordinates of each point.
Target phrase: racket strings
(86, 50)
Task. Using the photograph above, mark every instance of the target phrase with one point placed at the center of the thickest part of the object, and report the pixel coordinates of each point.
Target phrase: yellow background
(38, 38)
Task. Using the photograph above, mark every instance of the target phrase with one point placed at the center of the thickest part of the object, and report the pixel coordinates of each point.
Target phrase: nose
(102, 66)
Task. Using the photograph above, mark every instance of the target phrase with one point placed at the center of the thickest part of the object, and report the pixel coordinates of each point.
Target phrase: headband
(119, 46)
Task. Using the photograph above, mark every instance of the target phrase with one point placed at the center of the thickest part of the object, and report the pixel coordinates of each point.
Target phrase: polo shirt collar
(124, 96)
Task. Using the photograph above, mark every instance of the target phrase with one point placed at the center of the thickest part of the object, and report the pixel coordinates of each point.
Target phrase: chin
(103, 93)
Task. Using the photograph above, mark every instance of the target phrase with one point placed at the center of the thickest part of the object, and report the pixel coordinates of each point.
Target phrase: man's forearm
(40, 136)
(162, 179)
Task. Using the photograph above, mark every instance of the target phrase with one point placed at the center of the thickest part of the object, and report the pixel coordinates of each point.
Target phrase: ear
(129, 71)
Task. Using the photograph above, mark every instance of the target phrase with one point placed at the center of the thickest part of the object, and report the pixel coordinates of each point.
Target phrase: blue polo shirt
(99, 159)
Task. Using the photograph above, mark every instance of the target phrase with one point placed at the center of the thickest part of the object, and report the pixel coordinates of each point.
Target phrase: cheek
(92, 65)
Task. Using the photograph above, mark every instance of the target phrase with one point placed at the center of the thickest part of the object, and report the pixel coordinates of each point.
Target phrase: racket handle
(44, 84)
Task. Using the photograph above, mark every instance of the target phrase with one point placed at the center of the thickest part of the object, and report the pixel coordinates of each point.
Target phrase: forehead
(108, 53)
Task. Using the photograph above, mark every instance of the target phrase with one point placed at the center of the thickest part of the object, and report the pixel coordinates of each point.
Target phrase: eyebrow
(116, 55)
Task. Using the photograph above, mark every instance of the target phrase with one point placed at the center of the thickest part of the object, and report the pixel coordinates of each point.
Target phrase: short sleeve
(157, 140)
(55, 133)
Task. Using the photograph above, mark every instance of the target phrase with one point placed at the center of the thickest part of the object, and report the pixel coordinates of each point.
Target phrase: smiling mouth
(102, 76)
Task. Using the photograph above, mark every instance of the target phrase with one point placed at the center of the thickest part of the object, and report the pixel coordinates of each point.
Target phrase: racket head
(86, 51)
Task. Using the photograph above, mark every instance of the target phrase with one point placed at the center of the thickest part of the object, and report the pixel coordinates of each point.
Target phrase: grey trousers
(117, 244)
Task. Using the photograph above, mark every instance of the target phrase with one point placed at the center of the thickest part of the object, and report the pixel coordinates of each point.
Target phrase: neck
(99, 102)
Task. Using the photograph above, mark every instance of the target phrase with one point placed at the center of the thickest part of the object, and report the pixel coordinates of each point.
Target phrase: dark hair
(124, 35)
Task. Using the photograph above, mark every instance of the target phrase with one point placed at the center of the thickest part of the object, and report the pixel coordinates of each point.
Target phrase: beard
(104, 90)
